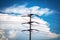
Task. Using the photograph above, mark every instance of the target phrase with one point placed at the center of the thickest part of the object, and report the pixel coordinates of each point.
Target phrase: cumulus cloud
(13, 22)
(22, 9)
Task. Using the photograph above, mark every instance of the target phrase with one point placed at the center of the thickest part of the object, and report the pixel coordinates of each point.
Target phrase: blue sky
(52, 19)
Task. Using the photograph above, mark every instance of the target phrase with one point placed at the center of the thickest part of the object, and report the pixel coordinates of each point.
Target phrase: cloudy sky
(46, 14)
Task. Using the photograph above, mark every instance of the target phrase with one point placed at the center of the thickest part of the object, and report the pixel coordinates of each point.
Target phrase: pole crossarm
(30, 23)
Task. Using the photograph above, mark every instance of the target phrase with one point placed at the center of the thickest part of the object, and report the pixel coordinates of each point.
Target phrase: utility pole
(30, 29)
(30, 25)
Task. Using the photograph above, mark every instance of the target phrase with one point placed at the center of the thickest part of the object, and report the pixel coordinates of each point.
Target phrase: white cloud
(14, 22)
(22, 9)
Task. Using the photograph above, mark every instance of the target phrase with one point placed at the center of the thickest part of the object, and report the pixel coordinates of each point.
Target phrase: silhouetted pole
(30, 27)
